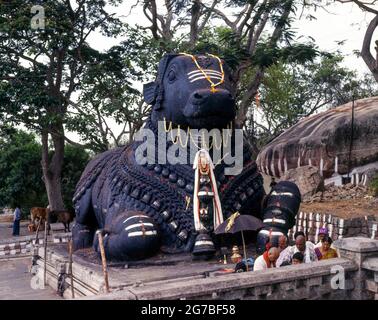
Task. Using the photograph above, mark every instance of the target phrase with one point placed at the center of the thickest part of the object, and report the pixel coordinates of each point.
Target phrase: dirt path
(344, 208)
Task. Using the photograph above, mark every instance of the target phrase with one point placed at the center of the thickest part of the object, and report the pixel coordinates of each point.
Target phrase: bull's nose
(202, 95)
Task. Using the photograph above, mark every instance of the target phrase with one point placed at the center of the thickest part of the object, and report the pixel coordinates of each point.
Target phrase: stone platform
(178, 277)
(88, 275)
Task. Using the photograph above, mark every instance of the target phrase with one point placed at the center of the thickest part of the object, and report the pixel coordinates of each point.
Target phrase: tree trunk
(369, 59)
(52, 170)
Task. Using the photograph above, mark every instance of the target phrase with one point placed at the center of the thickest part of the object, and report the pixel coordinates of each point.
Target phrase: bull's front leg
(132, 236)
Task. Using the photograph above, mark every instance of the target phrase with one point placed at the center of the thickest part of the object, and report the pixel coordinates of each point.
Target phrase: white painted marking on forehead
(203, 77)
(206, 70)
(211, 73)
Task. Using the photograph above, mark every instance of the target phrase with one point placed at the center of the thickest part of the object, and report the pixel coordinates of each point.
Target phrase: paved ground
(6, 230)
(15, 282)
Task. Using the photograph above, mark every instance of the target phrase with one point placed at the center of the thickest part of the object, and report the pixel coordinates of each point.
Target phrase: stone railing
(338, 228)
(352, 276)
(21, 246)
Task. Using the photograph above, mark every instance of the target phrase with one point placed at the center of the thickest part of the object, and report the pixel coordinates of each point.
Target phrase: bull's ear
(149, 92)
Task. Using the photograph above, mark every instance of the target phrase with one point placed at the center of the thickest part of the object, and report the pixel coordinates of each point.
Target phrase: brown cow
(63, 216)
(38, 214)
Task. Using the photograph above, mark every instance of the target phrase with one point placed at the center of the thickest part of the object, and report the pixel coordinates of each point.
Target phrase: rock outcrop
(323, 140)
(307, 178)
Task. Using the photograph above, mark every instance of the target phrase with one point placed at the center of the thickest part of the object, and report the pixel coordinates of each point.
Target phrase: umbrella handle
(245, 252)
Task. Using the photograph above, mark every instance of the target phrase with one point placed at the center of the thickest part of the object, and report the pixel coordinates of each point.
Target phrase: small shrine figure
(236, 256)
(207, 210)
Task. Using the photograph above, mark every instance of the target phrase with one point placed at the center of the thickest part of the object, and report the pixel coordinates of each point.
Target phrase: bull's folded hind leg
(132, 236)
(82, 236)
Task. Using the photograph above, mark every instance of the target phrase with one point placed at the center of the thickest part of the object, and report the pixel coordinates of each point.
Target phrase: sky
(341, 22)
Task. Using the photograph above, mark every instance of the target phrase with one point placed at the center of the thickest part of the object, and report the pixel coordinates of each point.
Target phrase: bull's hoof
(82, 236)
(137, 238)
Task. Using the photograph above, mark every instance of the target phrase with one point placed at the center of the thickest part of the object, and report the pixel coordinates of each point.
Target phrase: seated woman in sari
(325, 251)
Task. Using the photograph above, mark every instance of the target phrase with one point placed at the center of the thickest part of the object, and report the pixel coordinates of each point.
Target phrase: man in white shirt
(267, 259)
(300, 246)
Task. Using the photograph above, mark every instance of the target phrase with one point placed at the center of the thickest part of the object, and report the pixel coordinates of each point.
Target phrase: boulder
(323, 140)
(307, 178)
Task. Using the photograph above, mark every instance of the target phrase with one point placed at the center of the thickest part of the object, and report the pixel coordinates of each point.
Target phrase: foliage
(107, 93)
(21, 177)
(41, 69)
(291, 91)
(374, 186)
(75, 161)
(20, 170)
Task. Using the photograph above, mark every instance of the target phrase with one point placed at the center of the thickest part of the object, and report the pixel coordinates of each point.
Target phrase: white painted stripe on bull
(134, 217)
(140, 233)
(204, 242)
(209, 73)
(275, 193)
(273, 233)
(136, 225)
(274, 220)
(206, 70)
(205, 193)
(203, 77)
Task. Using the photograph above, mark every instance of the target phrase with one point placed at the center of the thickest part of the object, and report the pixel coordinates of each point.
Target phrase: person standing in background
(16, 221)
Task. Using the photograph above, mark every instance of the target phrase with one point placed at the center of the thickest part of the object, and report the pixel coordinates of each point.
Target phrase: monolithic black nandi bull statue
(142, 208)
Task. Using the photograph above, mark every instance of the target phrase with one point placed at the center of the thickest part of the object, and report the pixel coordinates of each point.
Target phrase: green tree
(42, 62)
(75, 161)
(291, 91)
(21, 177)
(257, 35)
(108, 93)
(20, 170)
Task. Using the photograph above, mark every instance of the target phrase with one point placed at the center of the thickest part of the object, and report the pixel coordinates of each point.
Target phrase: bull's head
(184, 92)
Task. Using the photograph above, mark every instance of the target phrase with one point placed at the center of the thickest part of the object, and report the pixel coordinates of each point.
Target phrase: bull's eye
(171, 76)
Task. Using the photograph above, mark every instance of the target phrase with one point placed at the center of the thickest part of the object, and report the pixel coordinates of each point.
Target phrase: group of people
(301, 252)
